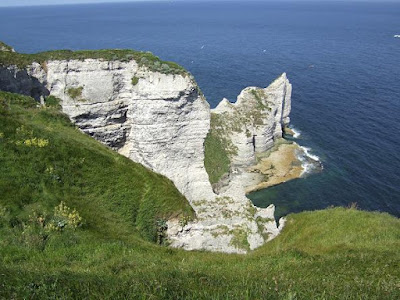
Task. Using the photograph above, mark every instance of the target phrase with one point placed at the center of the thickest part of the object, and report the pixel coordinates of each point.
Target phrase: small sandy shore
(276, 166)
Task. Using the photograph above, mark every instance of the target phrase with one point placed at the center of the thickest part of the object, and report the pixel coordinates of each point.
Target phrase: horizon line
(198, 1)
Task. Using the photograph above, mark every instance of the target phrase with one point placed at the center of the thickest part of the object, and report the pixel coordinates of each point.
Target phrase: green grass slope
(217, 150)
(216, 160)
(48, 252)
(45, 160)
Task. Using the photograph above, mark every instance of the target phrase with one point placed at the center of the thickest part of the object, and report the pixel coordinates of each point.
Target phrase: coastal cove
(200, 150)
(344, 97)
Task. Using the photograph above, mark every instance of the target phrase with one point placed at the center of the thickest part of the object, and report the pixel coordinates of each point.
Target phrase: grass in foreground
(331, 254)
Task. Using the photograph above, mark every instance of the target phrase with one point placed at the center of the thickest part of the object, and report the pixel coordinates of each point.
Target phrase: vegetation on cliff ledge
(75, 93)
(217, 149)
(5, 47)
(147, 59)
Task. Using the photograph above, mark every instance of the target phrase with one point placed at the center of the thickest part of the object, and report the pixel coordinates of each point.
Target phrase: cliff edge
(154, 113)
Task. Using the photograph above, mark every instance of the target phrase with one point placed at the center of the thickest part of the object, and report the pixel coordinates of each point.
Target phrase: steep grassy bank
(44, 160)
(46, 253)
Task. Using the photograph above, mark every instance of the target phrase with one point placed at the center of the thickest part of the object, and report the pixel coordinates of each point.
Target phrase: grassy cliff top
(5, 47)
(147, 59)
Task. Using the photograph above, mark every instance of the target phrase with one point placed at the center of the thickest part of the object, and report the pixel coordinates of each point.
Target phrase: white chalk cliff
(256, 119)
(161, 121)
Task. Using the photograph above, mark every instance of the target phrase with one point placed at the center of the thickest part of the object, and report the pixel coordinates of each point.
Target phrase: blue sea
(342, 59)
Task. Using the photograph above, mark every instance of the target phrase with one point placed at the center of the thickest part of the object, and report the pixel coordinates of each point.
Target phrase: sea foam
(296, 132)
(309, 162)
(307, 152)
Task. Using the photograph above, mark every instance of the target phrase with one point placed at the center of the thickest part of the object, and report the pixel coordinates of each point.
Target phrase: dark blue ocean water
(342, 59)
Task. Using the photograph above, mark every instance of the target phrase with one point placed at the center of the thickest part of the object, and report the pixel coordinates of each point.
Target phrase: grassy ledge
(147, 59)
(217, 150)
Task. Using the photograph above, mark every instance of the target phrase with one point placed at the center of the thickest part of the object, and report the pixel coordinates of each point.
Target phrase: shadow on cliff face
(115, 138)
(19, 81)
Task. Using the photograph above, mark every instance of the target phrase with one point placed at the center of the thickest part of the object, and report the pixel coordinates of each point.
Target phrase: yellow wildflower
(42, 143)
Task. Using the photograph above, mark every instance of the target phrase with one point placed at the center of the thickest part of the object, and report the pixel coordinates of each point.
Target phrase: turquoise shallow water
(341, 57)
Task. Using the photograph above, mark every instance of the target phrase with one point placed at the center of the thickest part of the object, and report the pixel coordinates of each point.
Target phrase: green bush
(52, 101)
(75, 93)
(135, 80)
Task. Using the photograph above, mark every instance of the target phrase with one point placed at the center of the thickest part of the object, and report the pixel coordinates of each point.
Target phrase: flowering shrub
(34, 142)
(37, 218)
(23, 131)
(29, 140)
(40, 226)
(64, 217)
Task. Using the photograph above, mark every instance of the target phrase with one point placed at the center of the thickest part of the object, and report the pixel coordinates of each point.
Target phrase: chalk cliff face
(161, 120)
(230, 222)
(256, 119)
